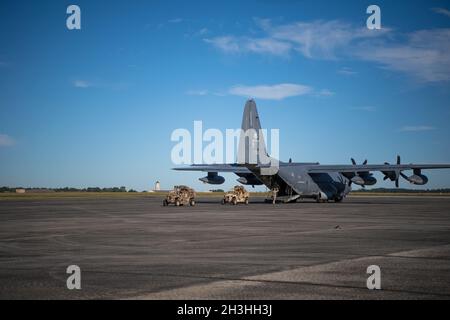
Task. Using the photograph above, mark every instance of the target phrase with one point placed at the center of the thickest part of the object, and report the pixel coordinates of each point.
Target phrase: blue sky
(97, 106)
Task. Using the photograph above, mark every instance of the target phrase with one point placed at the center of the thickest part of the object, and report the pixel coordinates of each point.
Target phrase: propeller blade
(353, 161)
(396, 183)
(398, 160)
(365, 162)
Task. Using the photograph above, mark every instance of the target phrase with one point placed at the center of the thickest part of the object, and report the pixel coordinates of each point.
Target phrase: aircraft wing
(234, 168)
(374, 167)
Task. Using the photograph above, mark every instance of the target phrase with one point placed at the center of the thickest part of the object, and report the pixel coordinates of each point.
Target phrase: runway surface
(138, 249)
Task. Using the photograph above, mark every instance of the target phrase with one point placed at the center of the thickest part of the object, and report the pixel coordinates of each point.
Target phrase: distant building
(157, 188)
(20, 190)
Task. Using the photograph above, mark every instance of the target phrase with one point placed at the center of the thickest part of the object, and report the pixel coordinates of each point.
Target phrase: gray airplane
(293, 181)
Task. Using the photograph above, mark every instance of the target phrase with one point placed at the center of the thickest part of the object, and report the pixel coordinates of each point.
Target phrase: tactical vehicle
(180, 196)
(237, 195)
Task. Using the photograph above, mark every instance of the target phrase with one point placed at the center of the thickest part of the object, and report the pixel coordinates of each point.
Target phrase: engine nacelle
(366, 180)
(212, 178)
(249, 181)
(418, 179)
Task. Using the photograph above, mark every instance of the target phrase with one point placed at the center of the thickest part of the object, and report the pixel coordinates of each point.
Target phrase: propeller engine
(249, 179)
(212, 178)
(393, 175)
(417, 178)
(361, 178)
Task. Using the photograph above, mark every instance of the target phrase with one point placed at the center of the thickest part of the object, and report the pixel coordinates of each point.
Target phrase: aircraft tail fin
(251, 141)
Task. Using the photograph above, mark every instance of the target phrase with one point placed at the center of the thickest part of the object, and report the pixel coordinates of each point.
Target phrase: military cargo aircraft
(292, 181)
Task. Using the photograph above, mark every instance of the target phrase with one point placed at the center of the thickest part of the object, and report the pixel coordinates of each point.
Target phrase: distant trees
(114, 189)
(67, 189)
(7, 189)
(70, 189)
(400, 190)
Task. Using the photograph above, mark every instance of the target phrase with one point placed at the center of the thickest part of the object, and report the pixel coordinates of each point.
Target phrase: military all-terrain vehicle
(237, 195)
(180, 196)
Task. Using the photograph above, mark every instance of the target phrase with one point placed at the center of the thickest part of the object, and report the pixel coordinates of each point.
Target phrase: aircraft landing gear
(321, 198)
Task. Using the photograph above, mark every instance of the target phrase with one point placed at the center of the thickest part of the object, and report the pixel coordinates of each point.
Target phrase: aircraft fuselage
(293, 179)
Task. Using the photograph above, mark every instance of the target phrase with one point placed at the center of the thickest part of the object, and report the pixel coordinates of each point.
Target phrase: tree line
(69, 189)
(400, 190)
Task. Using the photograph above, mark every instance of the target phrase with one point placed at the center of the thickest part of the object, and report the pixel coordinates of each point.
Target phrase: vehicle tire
(165, 203)
(223, 201)
(246, 201)
(234, 202)
(338, 199)
(177, 203)
(192, 202)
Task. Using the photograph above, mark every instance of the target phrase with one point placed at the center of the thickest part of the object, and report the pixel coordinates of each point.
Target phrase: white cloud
(317, 39)
(443, 11)
(267, 45)
(6, 141)
(271, 92)
(347, 71)
(202, 31)
(81, 84)
(227, 44)
(321, 39)
(175, 20)
(84, 84)
(416, 128)
(421, 54)
(326, 93)
(197, 92)
(231, 44)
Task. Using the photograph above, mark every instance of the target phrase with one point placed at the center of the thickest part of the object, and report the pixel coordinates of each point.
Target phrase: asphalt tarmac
(138, 249)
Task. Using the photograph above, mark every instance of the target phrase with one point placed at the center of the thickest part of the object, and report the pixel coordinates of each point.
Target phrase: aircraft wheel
(165, 203)
(319, 199)
(338, 199)
(192, 203)
(223, 201)
(246, 201)
(234, 202)
(177, 203)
